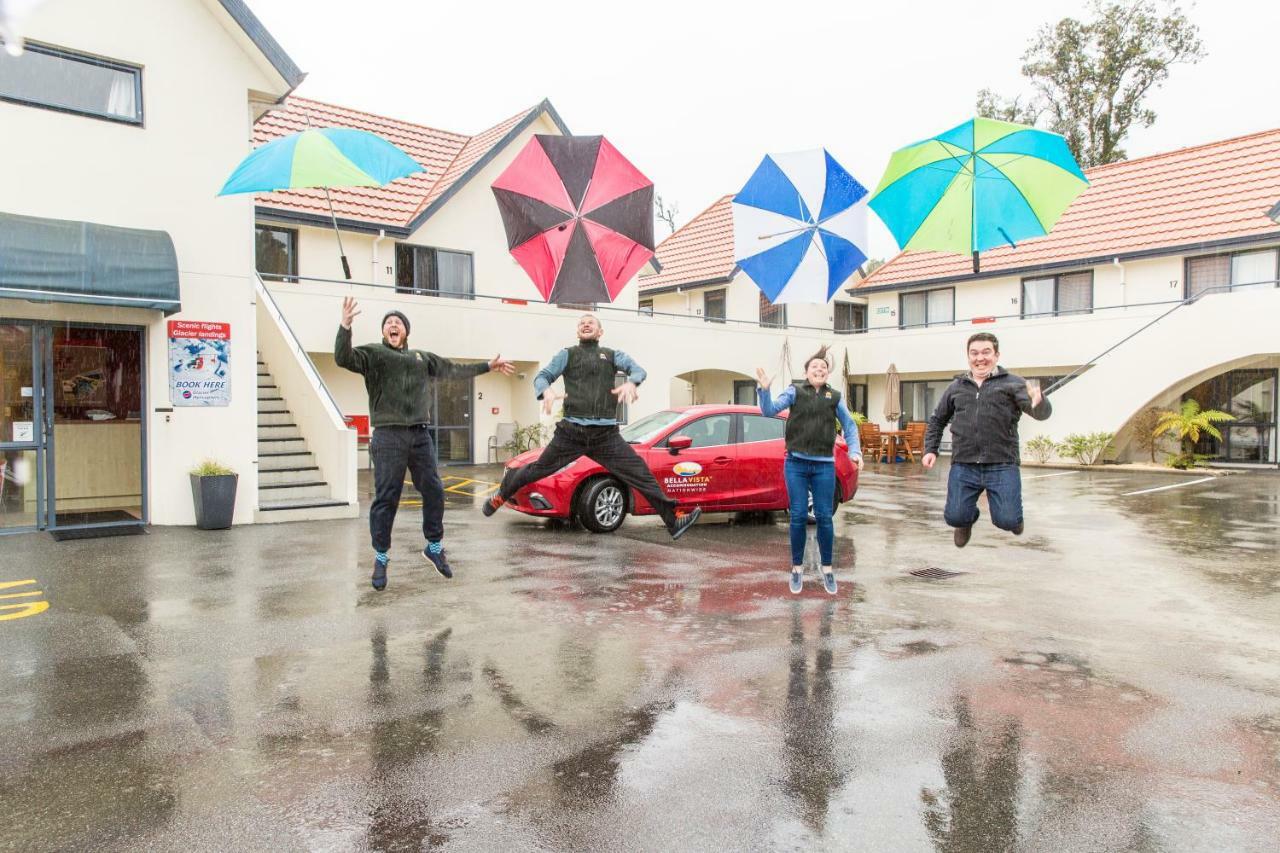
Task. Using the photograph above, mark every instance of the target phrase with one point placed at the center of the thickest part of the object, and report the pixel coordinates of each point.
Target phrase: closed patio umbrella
(892, 394)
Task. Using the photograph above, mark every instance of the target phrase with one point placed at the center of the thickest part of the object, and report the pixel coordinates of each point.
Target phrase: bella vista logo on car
(687, 469)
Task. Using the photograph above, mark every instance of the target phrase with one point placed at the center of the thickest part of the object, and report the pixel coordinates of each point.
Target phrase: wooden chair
(914, 445)
(872, 441)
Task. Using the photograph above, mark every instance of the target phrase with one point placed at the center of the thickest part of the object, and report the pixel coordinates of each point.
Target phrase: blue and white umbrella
(799, 226)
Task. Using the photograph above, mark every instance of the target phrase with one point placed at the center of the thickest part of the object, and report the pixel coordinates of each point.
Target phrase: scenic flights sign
(198, 363)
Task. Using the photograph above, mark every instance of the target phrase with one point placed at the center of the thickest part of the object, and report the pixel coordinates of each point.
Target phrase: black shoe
(961, 536)
(684, 522)
(379, 578)
(1016, 530)
(437, 560)
(490, 506)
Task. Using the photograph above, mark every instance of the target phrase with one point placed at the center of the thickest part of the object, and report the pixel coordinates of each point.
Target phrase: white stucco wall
(196, 81)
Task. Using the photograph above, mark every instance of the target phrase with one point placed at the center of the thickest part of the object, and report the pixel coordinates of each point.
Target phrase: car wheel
(602, 505)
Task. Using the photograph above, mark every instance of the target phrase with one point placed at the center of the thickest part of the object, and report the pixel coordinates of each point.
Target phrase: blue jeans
(1003, 485)
(805, 477)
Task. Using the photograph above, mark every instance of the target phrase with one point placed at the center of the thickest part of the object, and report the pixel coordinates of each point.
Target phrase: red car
(721, 458)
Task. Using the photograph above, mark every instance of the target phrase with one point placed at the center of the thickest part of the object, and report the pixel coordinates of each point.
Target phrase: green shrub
(527, 438)
(210, 468)
(1041, 448)
(1085, 449)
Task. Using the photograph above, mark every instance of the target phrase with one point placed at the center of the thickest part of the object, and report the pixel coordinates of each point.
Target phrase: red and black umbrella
(579, 217)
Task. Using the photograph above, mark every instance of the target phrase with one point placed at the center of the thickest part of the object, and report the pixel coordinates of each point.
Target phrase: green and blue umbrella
(982, 184)
(322, 158)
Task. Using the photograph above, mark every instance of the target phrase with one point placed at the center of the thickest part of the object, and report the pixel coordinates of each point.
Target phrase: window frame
(1231, 285)
(87, 59)
(854, 308)
(738, 384)
(435, 271)
(849, 395)
(720, 295)
(765, 304)
(292, 275)
(927, 322)
(741, 428)
(644, 307)
(1057, 285)
(732, 439)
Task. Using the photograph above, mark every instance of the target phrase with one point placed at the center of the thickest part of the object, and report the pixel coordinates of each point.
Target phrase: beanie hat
(403, 319)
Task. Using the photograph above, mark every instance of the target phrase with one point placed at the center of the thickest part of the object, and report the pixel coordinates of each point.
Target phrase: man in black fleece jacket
(983, 407)
(398, 381)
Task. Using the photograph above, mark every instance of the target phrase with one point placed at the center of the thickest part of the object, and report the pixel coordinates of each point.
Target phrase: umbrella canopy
(800, 226)
(892, 394)
(982, 184)
(578, 216)
(324, 157)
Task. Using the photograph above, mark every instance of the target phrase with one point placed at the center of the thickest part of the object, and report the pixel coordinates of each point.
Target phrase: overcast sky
(696, 92)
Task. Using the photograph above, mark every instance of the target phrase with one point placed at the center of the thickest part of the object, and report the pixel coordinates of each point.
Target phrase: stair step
(272, 394)
(291, 474)
(276, 506)
(286, 461)
(275, 417)
(313, 491)
(278, 432)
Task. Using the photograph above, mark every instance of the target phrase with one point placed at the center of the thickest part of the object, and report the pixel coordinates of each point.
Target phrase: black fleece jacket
(984, 420)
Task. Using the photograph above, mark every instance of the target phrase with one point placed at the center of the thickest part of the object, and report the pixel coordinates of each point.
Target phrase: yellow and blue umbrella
(322, 158)
(982, 184)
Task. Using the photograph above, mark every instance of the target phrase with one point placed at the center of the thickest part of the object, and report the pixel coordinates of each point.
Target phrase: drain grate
(934, 573)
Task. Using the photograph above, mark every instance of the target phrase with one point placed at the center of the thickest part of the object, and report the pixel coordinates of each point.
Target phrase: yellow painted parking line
(24, 608)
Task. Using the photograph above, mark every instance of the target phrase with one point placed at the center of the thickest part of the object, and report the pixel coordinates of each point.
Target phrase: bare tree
(1090, 79)
(666, 213)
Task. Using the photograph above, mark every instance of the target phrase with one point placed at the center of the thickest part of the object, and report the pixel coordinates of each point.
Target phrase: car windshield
(649, 426)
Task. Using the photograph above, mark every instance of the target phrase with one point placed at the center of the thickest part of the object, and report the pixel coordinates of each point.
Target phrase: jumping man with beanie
(983, 407)
(809, 468)
(398, 381)
(590, 425)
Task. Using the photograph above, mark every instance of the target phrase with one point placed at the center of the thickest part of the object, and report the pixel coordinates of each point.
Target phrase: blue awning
(57, 260)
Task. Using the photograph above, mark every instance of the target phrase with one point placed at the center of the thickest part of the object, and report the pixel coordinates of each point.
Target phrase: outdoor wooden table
(893, 437)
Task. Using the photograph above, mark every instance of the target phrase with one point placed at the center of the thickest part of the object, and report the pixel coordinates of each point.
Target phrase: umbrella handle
(346, 268)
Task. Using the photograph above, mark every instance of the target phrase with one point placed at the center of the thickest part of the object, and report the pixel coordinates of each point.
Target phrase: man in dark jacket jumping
(983, 407)
(590, 425)
(398, 380)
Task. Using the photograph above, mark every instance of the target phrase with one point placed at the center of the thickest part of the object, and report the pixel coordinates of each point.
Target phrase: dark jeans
(395, 450)
(1003, 485)
(606, 446)
(805, 477)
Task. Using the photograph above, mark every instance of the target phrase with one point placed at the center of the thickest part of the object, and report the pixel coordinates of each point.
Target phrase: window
(850, 318)
(1241, 271)
(927, 308)
(276, 253)
(772, 316)
(919, 399)
(711, 431)
(1057, 295)
(622, 413)
(434, 272)
(744, 392)
(856, 398)
(646, 307)
(713, 306)
(1250, 395)
(760, 428)
(72, 82)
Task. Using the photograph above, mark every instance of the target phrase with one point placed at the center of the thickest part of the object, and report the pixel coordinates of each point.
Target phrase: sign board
(199, 363)
(24, 431)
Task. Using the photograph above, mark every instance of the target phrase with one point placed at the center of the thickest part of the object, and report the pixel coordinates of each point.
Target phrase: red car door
(704, 474)
(761, 451)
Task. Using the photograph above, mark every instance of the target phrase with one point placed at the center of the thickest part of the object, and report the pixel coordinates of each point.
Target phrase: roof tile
(701, 250)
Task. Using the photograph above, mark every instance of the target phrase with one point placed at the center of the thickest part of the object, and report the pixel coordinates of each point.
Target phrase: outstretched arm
(770, 407)
(937, 423)
(438, 365)
(550, 373)
(1033, 401)
(850, 428)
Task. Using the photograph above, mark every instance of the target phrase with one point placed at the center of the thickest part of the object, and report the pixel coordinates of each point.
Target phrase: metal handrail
(1224, 288)
(292, 339)
(648, 312)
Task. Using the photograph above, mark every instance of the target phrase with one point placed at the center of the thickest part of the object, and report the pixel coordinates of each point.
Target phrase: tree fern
(1188, 423)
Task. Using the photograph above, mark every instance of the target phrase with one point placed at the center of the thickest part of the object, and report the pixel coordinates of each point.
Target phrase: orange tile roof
(701, 250)
(445, 156)
(1203, 195)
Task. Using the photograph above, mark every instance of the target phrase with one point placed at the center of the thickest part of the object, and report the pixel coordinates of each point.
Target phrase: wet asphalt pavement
(1108, 681)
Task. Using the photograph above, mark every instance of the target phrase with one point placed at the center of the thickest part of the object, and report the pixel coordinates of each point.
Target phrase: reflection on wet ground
(1108, 681)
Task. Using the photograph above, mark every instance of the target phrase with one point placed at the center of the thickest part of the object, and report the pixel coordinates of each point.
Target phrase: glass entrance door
(94, 398)
(20, 433)
(451, 419)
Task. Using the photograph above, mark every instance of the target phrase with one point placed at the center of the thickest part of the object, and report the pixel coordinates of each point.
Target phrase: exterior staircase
(290, 484)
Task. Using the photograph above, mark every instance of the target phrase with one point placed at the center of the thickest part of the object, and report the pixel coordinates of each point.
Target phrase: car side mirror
(677, 443)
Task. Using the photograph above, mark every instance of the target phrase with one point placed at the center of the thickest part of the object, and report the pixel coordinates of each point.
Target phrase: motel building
(147, 325)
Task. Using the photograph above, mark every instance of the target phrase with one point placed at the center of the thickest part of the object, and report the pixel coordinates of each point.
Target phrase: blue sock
(381, 556)
(435, 547)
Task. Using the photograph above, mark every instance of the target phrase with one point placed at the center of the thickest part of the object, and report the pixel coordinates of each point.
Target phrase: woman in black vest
(810, 463)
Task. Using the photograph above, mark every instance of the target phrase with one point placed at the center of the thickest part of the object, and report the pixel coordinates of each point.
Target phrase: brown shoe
(961, 536)
(1016, 530)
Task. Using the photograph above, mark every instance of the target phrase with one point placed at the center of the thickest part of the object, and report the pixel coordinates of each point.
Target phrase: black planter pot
(215, 499)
